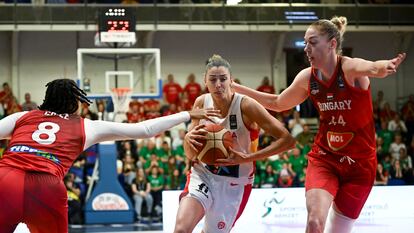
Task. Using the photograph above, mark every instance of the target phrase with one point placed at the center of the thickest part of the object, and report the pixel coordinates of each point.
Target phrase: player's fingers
(199, 137)
(193, 147)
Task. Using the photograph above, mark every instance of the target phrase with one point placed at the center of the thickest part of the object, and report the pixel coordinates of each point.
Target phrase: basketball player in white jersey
(220, 193)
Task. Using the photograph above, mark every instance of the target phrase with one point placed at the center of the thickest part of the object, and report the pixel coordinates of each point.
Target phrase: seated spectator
(396, 174)
(305, 137)
(135, 113)
(266, 86)
(13, 106)
(5, 94)
(164, 152)
(141, 189)
(380, 101)
(157, 185)
(406, 166)
(387, 113)
(408, 116)
(152, 162)
(386, 135)
(192, 89)
(171, 91)
(102, 113)
(397, 126)
(269, 178)
(285, 177)
(297, 162)
(296, 124)
(175, 180)
(381, 177)
(380, 148)
(28, 103)
(146, 151)
(396, 146)
(74, 201)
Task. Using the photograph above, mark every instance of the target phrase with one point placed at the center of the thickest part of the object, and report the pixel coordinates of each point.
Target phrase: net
(121, 98)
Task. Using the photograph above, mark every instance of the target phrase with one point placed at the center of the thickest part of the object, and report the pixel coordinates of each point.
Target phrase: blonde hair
(334, 28)
(216, 61)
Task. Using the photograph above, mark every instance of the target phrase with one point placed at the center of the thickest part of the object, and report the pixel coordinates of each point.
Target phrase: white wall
(44, 56)
(186, 52)
(5, 56)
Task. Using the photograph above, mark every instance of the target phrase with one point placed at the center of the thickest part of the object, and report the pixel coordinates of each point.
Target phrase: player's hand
(394, 63)
(207, 113)
(197, 133)
(235, 157)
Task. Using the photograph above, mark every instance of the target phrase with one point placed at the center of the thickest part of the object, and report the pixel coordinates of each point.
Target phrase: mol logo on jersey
(337, 141)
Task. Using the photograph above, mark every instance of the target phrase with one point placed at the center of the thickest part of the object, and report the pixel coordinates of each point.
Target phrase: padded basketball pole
(108, 203)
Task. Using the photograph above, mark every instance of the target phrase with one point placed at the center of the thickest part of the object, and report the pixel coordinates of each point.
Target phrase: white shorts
(223, 198)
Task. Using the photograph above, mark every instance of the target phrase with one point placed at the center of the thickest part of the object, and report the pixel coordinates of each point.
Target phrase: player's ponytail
(62, 96)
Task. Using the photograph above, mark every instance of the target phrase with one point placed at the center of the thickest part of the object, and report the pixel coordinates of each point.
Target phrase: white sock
(338, 223)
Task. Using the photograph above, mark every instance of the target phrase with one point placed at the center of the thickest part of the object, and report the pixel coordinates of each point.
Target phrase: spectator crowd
(147, 167)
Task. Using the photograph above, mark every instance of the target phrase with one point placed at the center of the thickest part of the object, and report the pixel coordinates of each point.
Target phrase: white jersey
(229, 186)
(241, 140)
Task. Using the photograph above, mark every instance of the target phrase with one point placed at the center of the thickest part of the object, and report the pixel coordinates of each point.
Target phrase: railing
(210, 14)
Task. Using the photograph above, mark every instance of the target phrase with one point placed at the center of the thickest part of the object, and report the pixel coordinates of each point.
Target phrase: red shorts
(37, 199)
(349, 182)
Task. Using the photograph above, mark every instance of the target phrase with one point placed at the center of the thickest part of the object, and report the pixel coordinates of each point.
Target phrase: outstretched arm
(295, 94)
(99, 131)
(357, 67)
(7, 124)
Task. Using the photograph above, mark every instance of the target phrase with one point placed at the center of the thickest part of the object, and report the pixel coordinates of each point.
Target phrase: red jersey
(46, 142)
(172, 92)
(193, 91)
(267, 89)
(346, 116)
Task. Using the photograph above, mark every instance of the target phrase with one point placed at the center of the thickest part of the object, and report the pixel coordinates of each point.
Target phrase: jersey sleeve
(99, 131)
(8, 123)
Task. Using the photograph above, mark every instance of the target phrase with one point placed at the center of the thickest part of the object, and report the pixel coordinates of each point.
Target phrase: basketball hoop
(121, 98)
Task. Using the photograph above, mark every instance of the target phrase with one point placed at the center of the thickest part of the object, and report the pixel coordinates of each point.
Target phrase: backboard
(101, 69)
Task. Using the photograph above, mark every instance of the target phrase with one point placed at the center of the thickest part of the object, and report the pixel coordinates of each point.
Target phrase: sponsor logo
(233, 122)
(270, 203)
(221, 225)
(203, 189)
(314, 87)
(337, 141)
(30, 150)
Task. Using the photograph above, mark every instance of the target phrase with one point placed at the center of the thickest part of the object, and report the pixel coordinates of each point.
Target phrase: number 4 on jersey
(48, 128)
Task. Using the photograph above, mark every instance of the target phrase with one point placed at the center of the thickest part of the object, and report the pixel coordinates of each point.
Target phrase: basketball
(216, 145)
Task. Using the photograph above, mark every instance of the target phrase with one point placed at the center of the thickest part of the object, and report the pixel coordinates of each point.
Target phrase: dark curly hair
(62, 96)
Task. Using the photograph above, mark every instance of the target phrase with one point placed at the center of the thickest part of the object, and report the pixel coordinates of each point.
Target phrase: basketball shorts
(223, 198)
(37, 199)
(348, 180)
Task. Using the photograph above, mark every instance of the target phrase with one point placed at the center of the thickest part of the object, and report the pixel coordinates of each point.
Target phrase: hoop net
(121, 98)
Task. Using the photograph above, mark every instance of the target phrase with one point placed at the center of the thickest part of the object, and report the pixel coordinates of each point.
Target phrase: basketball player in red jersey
(220, 193)
(43, 145)
(342, 162)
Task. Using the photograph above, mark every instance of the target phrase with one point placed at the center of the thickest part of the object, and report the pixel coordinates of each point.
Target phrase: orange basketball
(219, 139)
